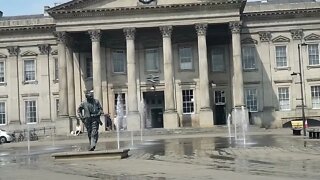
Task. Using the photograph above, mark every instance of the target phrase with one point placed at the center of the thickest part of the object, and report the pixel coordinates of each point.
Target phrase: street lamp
(301, 87)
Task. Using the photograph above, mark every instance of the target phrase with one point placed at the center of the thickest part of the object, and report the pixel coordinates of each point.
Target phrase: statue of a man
(89, 112)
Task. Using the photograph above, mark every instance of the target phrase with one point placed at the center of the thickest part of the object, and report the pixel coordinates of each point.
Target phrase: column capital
(265, 36)
(166, 31)
(95, 35)
(44, 48)
(201, 29)
(296, 34)
(235, 26)
(61, 36)
(13, 50)
(129, 33)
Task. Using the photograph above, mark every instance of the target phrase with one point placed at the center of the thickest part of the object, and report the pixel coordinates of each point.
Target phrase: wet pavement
(280, 156)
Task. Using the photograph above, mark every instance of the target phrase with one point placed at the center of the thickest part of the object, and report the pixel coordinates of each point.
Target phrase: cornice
(28, 28)
(62, 13)
(282, 13)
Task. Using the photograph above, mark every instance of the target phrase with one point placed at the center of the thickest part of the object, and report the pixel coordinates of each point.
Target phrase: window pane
(152, 59)
(313, 50)
(217, 59)
(185, 55)
(284, 100)
(281, 56)
(251, 100)
(29, 70)
(315, 96)
(2, 113)
(30, 111)
(119, 61)
(248, 57)
(188, 101)
(2, 71)
(56, 69)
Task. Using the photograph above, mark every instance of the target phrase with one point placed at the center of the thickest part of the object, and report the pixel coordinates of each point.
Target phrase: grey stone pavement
(188, 153)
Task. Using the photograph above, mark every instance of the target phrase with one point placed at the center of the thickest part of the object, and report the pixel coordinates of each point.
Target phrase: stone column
(45, 91)
(133, 118)
(62, 124)
(237, 88)
(95, 36)
(13, 84)
(206, 114)
(170, 116)
(63, 86)
(70, 76)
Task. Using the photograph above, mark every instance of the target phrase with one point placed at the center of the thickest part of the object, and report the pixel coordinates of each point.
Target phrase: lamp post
(301, 88)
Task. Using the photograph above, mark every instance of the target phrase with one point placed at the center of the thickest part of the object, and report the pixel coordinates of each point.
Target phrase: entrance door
(154, 102)
(220, 107)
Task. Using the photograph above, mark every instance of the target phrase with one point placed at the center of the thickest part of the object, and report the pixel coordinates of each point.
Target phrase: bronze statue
(89, 112)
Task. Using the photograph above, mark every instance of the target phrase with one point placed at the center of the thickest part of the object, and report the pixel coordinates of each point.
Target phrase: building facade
(188, 63)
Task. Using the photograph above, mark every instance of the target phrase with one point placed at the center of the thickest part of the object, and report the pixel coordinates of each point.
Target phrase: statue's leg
(94, 135)
(89, 130)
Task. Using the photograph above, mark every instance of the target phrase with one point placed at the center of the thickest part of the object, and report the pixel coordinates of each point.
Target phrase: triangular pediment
(28, 53)
(2, 55)
(110, 4)
(280, 39)
(54, 52)
(312, 37)
(249, 41)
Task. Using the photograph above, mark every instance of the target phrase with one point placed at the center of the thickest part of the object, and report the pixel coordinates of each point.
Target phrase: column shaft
(95, 36)
(63, 85)
(237, 89)
(70, 75)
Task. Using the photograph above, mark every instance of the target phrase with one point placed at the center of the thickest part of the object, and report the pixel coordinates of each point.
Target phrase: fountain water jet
(119, 118)
(142, 111)
(240, 122)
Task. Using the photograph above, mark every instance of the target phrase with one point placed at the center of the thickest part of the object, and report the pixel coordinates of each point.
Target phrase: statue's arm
(79, 111)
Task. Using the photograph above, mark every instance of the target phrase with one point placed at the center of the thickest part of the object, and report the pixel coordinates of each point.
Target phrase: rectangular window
(2, 113)
(152, 59)
(56, 69)
(119, 61)
(2, 72)
(218, 59)
(313, 50)
(57, 107)
(284, 99)
(251, 100)
(123, 100)
(315, 95)
(89, 67)
(185, 56)
(281, 56)
(31, 111)
(29, 70)
(248, 57)
(219, 97)
(188, 101)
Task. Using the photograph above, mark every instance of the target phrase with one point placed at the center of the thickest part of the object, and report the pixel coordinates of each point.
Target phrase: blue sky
(27, 7)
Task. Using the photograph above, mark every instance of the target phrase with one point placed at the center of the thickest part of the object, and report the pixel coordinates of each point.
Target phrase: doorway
(154, 105)
(220, 107)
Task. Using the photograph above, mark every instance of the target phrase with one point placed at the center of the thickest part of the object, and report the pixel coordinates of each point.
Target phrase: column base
(206, 118)
(62, 125)
(133, 121)
(170, 120)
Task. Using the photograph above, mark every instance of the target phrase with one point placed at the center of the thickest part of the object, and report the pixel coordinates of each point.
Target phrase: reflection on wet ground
(261, 155)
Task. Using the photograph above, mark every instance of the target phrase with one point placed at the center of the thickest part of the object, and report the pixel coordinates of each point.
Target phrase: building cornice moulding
(69, 13)
(269, 15)
(28, 28)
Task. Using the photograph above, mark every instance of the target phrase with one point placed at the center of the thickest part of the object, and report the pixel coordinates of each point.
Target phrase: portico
(165, 35)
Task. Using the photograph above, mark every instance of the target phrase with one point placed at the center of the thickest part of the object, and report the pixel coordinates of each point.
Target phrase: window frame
(4, 71)
(287, 56)
(308, 55)
(289, 99)
(24, 70)
(191, 101)
(88, 64)
(191, 57)
(254, 66)
(5, 113)
(212, 59)
(318, 97)
(124, 59)
(36, 111)
(56, 68)
(255, 100)
(157, 60)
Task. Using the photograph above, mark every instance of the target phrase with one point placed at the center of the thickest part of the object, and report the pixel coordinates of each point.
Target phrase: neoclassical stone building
(190, 61)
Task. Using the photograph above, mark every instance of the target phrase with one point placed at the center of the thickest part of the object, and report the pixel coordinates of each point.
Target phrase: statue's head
(89, 95)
